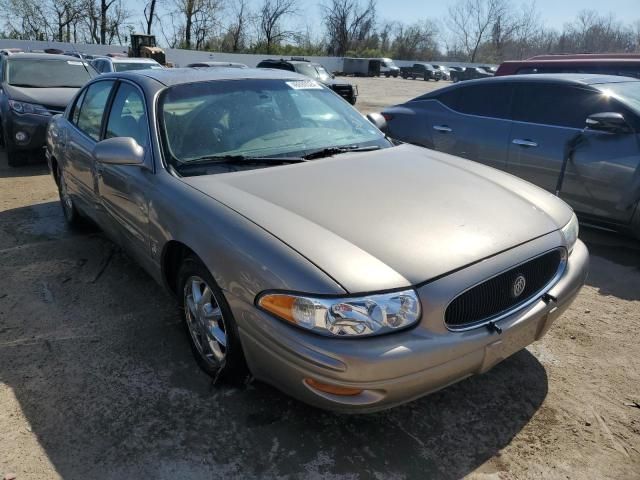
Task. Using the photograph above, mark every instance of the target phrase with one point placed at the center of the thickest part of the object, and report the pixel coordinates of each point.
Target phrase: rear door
(546, 118)
(84, 132)
(473, 121)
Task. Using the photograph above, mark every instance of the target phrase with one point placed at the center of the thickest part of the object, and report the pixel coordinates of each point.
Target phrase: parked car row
(424, 71)
(254, 196)
(315, 71)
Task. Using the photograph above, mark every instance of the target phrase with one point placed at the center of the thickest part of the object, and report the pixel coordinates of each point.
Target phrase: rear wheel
(212, 331)
(71, 214)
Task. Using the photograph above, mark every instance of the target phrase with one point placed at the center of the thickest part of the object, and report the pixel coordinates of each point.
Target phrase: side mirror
(378, 120)
(611, 122)
(119, 151)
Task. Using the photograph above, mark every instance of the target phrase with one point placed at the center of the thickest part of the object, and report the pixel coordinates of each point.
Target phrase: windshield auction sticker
(305, 85)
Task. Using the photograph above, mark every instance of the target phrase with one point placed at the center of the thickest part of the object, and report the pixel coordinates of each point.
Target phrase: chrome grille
(505, 292)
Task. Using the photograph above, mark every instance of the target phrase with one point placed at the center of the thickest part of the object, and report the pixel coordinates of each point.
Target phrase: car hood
(50, 97)
(334, 83)
(389, 218)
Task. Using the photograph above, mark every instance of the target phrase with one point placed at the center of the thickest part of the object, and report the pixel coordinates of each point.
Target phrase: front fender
(243, 258)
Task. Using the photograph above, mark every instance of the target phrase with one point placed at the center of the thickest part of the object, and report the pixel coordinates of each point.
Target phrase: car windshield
(42, 73)
(125, 66)
(322, 72)
(629, 92)
(259, 118)
(308, 70)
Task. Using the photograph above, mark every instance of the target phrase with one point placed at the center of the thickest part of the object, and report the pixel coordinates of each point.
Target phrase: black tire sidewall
(235, 369)
(74, 219)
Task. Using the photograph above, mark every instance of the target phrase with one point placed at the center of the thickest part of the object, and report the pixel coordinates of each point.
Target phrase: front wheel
(213, 334)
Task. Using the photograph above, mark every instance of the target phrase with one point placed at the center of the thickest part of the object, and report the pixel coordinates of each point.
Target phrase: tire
(217, 350)
(14, 159)
(71, 214)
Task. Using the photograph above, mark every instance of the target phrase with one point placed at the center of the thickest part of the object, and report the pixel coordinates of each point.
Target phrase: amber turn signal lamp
(280, 305)
(332, 389)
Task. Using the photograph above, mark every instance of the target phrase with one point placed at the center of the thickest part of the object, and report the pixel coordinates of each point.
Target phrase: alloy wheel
(205, 321)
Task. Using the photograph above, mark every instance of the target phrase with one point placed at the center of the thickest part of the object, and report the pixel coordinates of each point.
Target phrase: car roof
(43, 56)
(566, 78)
(575, 78)
(215, 64)
(284, 60)
(129, 60)
(177, 76)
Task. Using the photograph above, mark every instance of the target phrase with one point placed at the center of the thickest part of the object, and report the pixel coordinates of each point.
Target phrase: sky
(554, 13)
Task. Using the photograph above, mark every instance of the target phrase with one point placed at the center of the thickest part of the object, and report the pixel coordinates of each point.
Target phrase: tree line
(487, 31)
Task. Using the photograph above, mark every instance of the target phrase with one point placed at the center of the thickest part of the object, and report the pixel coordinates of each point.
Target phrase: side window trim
(76, 104)
(112, 96)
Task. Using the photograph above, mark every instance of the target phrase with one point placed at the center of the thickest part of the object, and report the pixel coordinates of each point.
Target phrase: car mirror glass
(119, 151)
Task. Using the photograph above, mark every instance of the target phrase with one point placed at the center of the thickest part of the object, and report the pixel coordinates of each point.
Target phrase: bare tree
(272, 14)
(470, 23)
(235, 37)
(26, 19)
(348, 23)
(417, 41)
(200, 18)
(149, 13)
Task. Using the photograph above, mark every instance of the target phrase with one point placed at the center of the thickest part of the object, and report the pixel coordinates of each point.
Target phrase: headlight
(24, 107)
(345, 317)
(570, 232)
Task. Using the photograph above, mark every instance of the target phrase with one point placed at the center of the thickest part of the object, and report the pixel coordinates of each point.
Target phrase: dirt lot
(97, 380)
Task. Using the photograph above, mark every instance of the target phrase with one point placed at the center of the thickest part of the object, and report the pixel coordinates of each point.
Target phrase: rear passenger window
(486, 100)
(75, 110)
(449, 98)
(127, 117)
(558, 105)
(92, 109)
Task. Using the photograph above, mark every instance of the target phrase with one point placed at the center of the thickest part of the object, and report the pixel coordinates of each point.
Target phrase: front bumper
(399, 367)
(34, 126)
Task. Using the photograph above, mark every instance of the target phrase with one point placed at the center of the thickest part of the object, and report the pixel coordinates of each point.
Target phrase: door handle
(442, 129)
(524, 143)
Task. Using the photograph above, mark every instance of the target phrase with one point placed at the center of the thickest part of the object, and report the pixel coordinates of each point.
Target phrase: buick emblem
(518, 286)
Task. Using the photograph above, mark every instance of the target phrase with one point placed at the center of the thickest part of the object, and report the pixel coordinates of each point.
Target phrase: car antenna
(82, 60)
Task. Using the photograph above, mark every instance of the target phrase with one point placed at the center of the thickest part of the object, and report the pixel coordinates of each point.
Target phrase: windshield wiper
(239, 160)
(330, 151)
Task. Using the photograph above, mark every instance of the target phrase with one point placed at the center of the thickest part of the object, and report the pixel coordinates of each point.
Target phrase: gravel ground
(97, 380)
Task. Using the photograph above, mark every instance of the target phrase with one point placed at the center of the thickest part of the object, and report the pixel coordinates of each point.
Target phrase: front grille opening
(500, 294)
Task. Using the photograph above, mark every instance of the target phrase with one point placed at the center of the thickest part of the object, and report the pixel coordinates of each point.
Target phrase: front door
(549, 117)
(122, 188)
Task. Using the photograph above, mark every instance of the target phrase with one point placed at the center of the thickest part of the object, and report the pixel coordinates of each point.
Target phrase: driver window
(127, 117)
